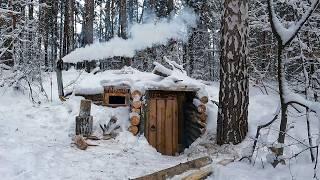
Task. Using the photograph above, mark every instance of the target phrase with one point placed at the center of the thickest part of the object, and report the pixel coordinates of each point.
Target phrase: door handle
(153, 128)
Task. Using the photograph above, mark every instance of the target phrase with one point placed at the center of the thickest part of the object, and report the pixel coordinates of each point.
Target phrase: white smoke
(142, 36)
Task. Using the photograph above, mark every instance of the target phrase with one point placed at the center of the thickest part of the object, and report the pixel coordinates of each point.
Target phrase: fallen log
(178, 169)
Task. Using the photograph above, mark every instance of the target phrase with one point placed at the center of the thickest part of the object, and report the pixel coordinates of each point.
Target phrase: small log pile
(135, 115)
(84, 122)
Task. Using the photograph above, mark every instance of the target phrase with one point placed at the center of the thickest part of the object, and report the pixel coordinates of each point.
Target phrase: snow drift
(141, 36)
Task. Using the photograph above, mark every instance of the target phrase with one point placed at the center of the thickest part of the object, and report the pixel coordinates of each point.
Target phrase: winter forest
(160, 89)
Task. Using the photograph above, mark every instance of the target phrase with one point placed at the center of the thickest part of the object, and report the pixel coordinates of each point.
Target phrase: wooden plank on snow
(178, 169)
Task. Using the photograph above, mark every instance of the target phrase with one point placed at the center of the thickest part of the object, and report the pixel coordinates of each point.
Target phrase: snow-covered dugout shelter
(167, 106)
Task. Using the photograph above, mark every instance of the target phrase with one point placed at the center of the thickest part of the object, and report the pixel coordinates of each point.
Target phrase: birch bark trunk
(234, 84)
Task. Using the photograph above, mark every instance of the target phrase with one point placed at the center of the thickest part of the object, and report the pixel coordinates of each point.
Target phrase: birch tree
(232, 125)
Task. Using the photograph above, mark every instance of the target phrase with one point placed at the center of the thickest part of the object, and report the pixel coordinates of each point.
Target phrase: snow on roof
(136, 80)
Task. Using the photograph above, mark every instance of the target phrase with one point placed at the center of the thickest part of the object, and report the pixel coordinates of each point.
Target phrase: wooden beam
(200, 174)
(178, 169)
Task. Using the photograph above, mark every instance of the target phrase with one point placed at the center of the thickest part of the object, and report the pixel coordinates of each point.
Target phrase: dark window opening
(117, 100)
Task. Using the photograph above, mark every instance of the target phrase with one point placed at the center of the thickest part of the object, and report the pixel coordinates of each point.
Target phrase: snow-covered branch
(287, 34)
(292, 98)
(8, 11)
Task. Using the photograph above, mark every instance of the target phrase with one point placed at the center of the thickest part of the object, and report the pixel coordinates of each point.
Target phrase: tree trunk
(107, 21)
(112, 17)
(71, 26)
(123, 19)
(170, 6)
(88, 22)
(131, 4)
(66, 29)
(232, 123)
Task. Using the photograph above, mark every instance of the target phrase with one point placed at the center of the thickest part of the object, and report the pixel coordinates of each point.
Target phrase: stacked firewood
(135, 114)
(196, 115)
(202, 108)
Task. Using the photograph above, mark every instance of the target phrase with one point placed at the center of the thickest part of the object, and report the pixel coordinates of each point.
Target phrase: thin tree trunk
(71, 43)
(170, 6)
(123, 19)
(107, 21)
(88, 24)
(284, 107)
(66, 28)
(112, 17)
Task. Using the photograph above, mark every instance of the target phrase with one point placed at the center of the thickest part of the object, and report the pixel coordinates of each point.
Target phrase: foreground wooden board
(178, 169)
(200, 174)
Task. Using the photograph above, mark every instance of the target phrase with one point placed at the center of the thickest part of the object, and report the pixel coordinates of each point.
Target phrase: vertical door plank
(175, 125)
(146, 120)
(160, 125)
(168, 127)
(181, 101)
(152, 124)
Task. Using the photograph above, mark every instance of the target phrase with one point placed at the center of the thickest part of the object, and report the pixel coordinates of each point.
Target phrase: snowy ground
(36, 143)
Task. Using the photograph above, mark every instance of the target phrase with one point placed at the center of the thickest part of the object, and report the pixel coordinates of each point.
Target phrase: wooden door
(162, 125)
